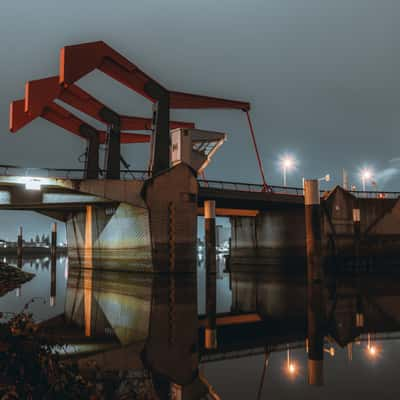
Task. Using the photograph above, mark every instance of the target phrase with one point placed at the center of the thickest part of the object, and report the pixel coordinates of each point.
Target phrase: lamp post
(366, 175)
(287, 163)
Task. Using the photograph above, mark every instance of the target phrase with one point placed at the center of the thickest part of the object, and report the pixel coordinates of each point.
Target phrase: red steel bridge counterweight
(79, 60)
(76, 61)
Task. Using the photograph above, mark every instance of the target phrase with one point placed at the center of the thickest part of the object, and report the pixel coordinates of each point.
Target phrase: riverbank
(12, 277)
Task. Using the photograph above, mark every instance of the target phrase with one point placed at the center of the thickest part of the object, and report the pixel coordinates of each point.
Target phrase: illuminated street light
(287, 163)
(366, 175)
(325, 178)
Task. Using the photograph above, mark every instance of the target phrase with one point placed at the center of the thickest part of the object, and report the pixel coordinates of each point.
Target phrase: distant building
(222, 235)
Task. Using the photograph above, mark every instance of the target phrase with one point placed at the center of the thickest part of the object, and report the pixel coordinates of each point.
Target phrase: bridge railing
(374, 194)
(66, 173)
(127, 174)
(248, 187)
(296, 191)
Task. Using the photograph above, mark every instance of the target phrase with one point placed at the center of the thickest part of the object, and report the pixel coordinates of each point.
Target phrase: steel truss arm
(39, 93)
(59, 116)
(78, 60)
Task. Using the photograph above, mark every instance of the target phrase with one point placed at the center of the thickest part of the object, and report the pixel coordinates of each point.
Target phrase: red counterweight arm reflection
(78, 60)
(59, 116)
(39, 93)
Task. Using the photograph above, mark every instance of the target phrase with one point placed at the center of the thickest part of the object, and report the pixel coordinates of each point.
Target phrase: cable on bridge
(266, 187)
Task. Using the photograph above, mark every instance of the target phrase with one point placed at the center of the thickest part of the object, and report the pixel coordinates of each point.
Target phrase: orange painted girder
(39, 93)
(79, 60)
(59, 116)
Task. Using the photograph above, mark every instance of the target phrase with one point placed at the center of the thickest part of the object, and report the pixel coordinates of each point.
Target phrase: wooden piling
(211, 275)
(20, 244)
(53, 281)
(53, 240)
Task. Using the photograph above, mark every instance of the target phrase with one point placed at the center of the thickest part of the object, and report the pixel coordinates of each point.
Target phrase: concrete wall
(153, 228)
(273, 234)
(171, 199)
(120, 237)
(278, 235)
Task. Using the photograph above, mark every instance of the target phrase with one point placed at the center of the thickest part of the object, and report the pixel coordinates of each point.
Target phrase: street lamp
(287, 163)
(325, 178)
(366, 175)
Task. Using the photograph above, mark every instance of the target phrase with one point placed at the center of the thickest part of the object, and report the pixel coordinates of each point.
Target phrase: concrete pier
(151, 224)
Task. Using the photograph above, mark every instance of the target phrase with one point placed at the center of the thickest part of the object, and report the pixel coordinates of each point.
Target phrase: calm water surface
(355, 315)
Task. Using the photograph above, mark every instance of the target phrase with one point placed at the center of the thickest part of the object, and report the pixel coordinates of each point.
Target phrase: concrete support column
(315, 306)
(53, 240)
(211, 275)
(20, 243)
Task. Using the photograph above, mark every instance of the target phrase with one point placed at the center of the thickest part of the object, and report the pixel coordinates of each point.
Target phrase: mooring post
(54, 240)
(315, 306)
(53, 281)
(211, 275)
(357, 230)
(20, 244)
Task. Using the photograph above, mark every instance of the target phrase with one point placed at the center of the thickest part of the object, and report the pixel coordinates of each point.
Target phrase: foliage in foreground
(30, 370)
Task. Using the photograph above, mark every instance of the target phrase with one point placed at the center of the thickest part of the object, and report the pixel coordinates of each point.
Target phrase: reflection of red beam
(79, 60)
(225, 320)
(63, 118)
(39, 93)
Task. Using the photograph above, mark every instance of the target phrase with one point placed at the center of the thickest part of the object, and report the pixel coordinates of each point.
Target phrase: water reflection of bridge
(124, 320)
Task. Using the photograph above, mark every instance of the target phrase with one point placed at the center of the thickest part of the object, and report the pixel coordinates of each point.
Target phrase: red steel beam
(78, 60)
(39, 93)
(59, 116)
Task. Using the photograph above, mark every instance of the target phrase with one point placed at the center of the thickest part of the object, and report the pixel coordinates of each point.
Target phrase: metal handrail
(248, 187)
(67, 173)
(374, 194)
(128, 174)
(254, 187)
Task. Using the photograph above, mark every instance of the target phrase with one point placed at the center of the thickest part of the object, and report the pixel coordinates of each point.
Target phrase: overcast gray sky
(322, 77)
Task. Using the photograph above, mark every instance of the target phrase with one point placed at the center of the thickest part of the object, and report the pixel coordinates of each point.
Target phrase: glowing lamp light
(287, 163)
(33, 184)
(366, 174)
(291, 369)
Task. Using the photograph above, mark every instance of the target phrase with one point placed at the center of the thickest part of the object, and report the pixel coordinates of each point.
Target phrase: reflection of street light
(287, 163)
(372, 350)
(291, 367)
(366, 175)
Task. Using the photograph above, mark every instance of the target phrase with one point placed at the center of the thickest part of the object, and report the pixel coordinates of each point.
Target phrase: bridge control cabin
(195, 147)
